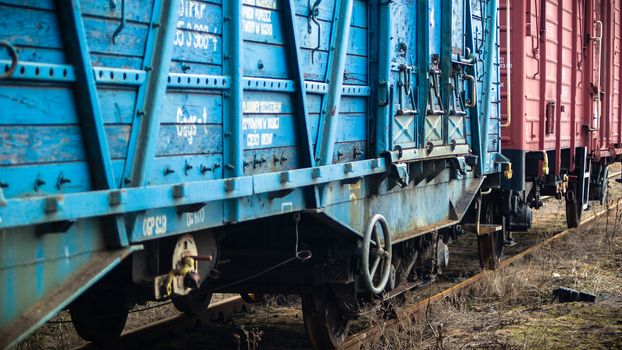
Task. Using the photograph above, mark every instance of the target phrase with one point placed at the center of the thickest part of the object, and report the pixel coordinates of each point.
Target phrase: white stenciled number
(154, 225)
(195, 218)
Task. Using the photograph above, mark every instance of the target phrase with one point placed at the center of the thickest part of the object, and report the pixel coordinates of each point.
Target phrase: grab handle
(472, 102)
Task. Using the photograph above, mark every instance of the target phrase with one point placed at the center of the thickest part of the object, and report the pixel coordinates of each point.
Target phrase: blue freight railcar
(156, 149)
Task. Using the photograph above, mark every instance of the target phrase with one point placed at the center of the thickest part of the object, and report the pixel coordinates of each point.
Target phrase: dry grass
(514, 308)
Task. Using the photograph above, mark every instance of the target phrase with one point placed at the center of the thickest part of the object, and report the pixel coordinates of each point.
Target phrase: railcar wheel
(325, 323)
(378, 255)
(574, 208)
(490, 246)
(99, 316)
(193, 304)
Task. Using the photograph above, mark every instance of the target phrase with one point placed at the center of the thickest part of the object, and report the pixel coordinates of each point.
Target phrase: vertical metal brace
(446, 65)
(300, 97)
(87, 104)
(384, 69)
(329, 131)
(329, 65)
(423, 63)
(147, 138)
(232, 118)
(476, 129)
(140, 95)
(491, 30)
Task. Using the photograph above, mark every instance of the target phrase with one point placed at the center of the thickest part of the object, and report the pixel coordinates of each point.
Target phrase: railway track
(225, 309)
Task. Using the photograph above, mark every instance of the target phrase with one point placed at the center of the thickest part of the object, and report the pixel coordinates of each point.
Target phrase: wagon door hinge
(113, 6)
(314, 11)
(434, 100)
(404, 84)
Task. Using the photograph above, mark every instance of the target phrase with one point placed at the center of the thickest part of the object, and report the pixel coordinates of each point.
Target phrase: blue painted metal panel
(230, 104)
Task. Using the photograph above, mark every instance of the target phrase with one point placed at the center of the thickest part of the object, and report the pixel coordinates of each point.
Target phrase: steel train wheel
(325, 323)
(490, 246)
(194, 303)
(574, 208)
(99, 316)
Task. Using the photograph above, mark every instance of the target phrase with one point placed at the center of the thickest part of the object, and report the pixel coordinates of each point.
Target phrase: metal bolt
(39, 182)
(357, 152)
(51, 205)
(61, 181)
(168, 171)
(285, 177)
(204, 169)
(316, 172)
(187, 167)
(116, 198)
(179, 191)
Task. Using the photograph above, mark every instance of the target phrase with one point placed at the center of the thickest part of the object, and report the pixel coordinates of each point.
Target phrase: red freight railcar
(563, 103)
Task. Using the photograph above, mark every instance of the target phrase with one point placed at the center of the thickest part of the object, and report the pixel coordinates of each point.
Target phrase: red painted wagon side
(562, 110)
